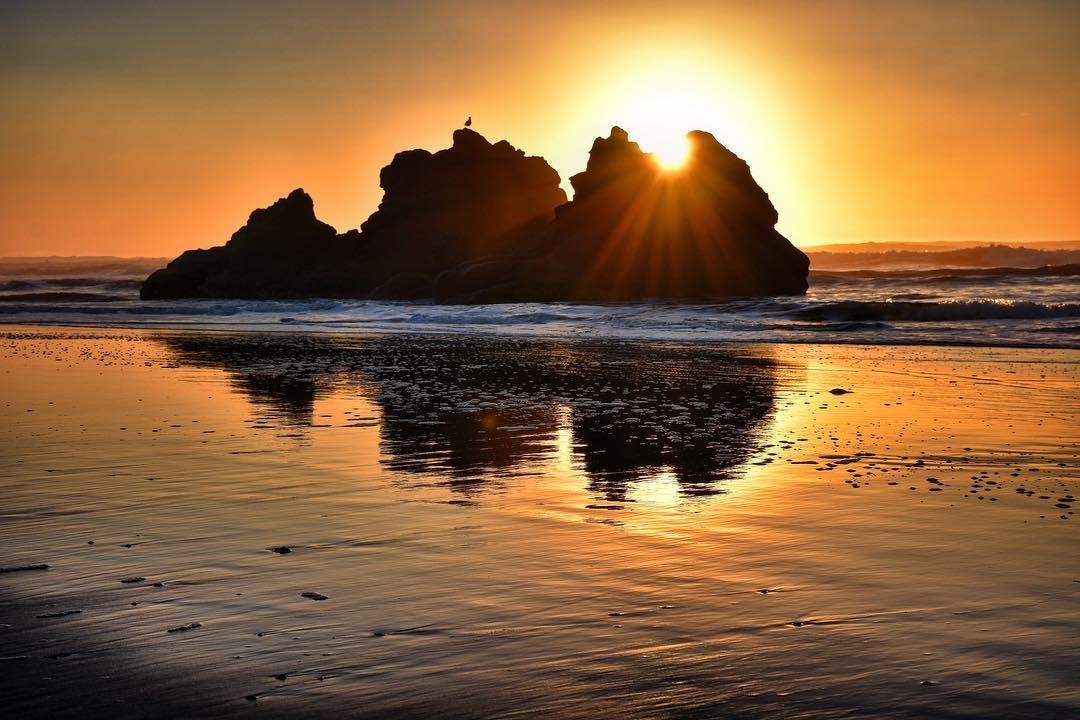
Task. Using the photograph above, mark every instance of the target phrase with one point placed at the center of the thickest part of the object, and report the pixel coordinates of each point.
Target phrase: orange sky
(148, 128)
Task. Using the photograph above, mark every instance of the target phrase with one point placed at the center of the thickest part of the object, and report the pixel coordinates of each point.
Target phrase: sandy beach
(260, 525)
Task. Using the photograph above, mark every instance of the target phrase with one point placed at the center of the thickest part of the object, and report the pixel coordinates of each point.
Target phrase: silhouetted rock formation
(481, 222)
(265, 258)
(635, 231)
(472, 201)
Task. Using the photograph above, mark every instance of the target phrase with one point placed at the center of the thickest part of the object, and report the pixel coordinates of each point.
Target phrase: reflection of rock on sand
(470, 410)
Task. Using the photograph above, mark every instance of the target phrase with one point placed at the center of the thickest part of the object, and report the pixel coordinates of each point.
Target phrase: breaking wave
(903, 311)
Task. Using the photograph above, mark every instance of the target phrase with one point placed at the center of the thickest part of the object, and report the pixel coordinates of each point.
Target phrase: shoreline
(7, 327)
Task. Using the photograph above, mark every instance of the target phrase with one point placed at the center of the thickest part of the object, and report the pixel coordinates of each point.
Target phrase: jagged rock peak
(616, 143)
(295, 208)
(464, 138)
(615, 155)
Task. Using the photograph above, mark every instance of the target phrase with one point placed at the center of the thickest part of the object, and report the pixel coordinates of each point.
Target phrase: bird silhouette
(468, 121)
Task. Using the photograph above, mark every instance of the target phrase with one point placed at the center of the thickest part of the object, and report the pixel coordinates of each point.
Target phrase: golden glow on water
(564, 440)
(661, 489)
(535, 535)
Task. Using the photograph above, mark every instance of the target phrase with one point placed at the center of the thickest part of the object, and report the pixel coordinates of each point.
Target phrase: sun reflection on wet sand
(626, 528)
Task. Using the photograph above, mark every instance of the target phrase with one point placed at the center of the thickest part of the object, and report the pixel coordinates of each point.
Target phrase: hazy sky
(151, 127)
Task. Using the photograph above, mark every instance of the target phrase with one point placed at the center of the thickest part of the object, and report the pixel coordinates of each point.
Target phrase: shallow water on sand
(509, 527)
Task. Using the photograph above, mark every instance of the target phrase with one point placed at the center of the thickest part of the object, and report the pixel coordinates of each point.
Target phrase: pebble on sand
(23, 568)
(185, 628)
(63, 613)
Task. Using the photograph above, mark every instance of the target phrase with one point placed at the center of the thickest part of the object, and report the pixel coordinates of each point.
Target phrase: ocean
(994, 307)
(859, 502)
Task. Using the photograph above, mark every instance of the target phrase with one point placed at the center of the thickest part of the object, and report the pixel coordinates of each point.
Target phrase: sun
(658, 91)
(661, 110)
(658, 118)
(670, 152)
(660, 95)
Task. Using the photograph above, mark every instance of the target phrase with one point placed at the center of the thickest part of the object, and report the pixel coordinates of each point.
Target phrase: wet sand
(421, 526)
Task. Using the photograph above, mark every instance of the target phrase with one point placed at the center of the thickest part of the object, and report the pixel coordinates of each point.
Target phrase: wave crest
(858, 311)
